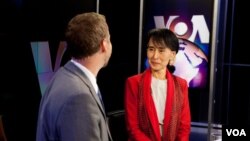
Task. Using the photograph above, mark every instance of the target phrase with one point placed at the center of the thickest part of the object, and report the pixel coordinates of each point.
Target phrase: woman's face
(159, 55)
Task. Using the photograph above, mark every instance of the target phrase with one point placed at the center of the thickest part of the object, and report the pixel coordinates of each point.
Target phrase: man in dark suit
(71, 108)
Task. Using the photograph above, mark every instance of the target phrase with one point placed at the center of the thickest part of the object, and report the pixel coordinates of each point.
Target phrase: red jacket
(182, 129)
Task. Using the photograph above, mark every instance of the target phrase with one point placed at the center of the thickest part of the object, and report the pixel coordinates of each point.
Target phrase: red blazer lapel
(169, 102)
(150, 104)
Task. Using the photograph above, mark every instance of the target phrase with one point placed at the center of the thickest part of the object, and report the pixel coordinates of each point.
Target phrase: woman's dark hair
(164, 36)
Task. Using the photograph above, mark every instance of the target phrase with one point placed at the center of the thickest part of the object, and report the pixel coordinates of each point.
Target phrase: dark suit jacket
(70, 109)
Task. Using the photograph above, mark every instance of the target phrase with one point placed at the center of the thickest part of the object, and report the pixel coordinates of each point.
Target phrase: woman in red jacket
(156, 101)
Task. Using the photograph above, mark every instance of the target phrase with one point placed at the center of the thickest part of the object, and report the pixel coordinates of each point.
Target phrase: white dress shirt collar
(89, 74)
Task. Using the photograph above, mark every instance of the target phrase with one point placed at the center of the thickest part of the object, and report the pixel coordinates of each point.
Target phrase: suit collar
(88, 73)
(70, 66)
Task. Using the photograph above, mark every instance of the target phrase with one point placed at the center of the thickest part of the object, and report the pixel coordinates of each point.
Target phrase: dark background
(23, 21)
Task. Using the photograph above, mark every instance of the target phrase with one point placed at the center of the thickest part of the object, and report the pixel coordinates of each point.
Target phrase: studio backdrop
(191, 21)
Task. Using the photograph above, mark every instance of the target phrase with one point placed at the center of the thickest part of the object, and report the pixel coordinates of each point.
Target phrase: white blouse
(159, 94)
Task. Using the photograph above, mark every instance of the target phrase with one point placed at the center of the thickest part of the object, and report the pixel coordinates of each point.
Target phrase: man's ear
(103, 46)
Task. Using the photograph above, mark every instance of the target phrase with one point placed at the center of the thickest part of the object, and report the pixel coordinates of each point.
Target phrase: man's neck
(91, 63)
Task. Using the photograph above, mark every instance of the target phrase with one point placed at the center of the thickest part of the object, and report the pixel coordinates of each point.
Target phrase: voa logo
(191, 60)
(236, 132)
(183, 28)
